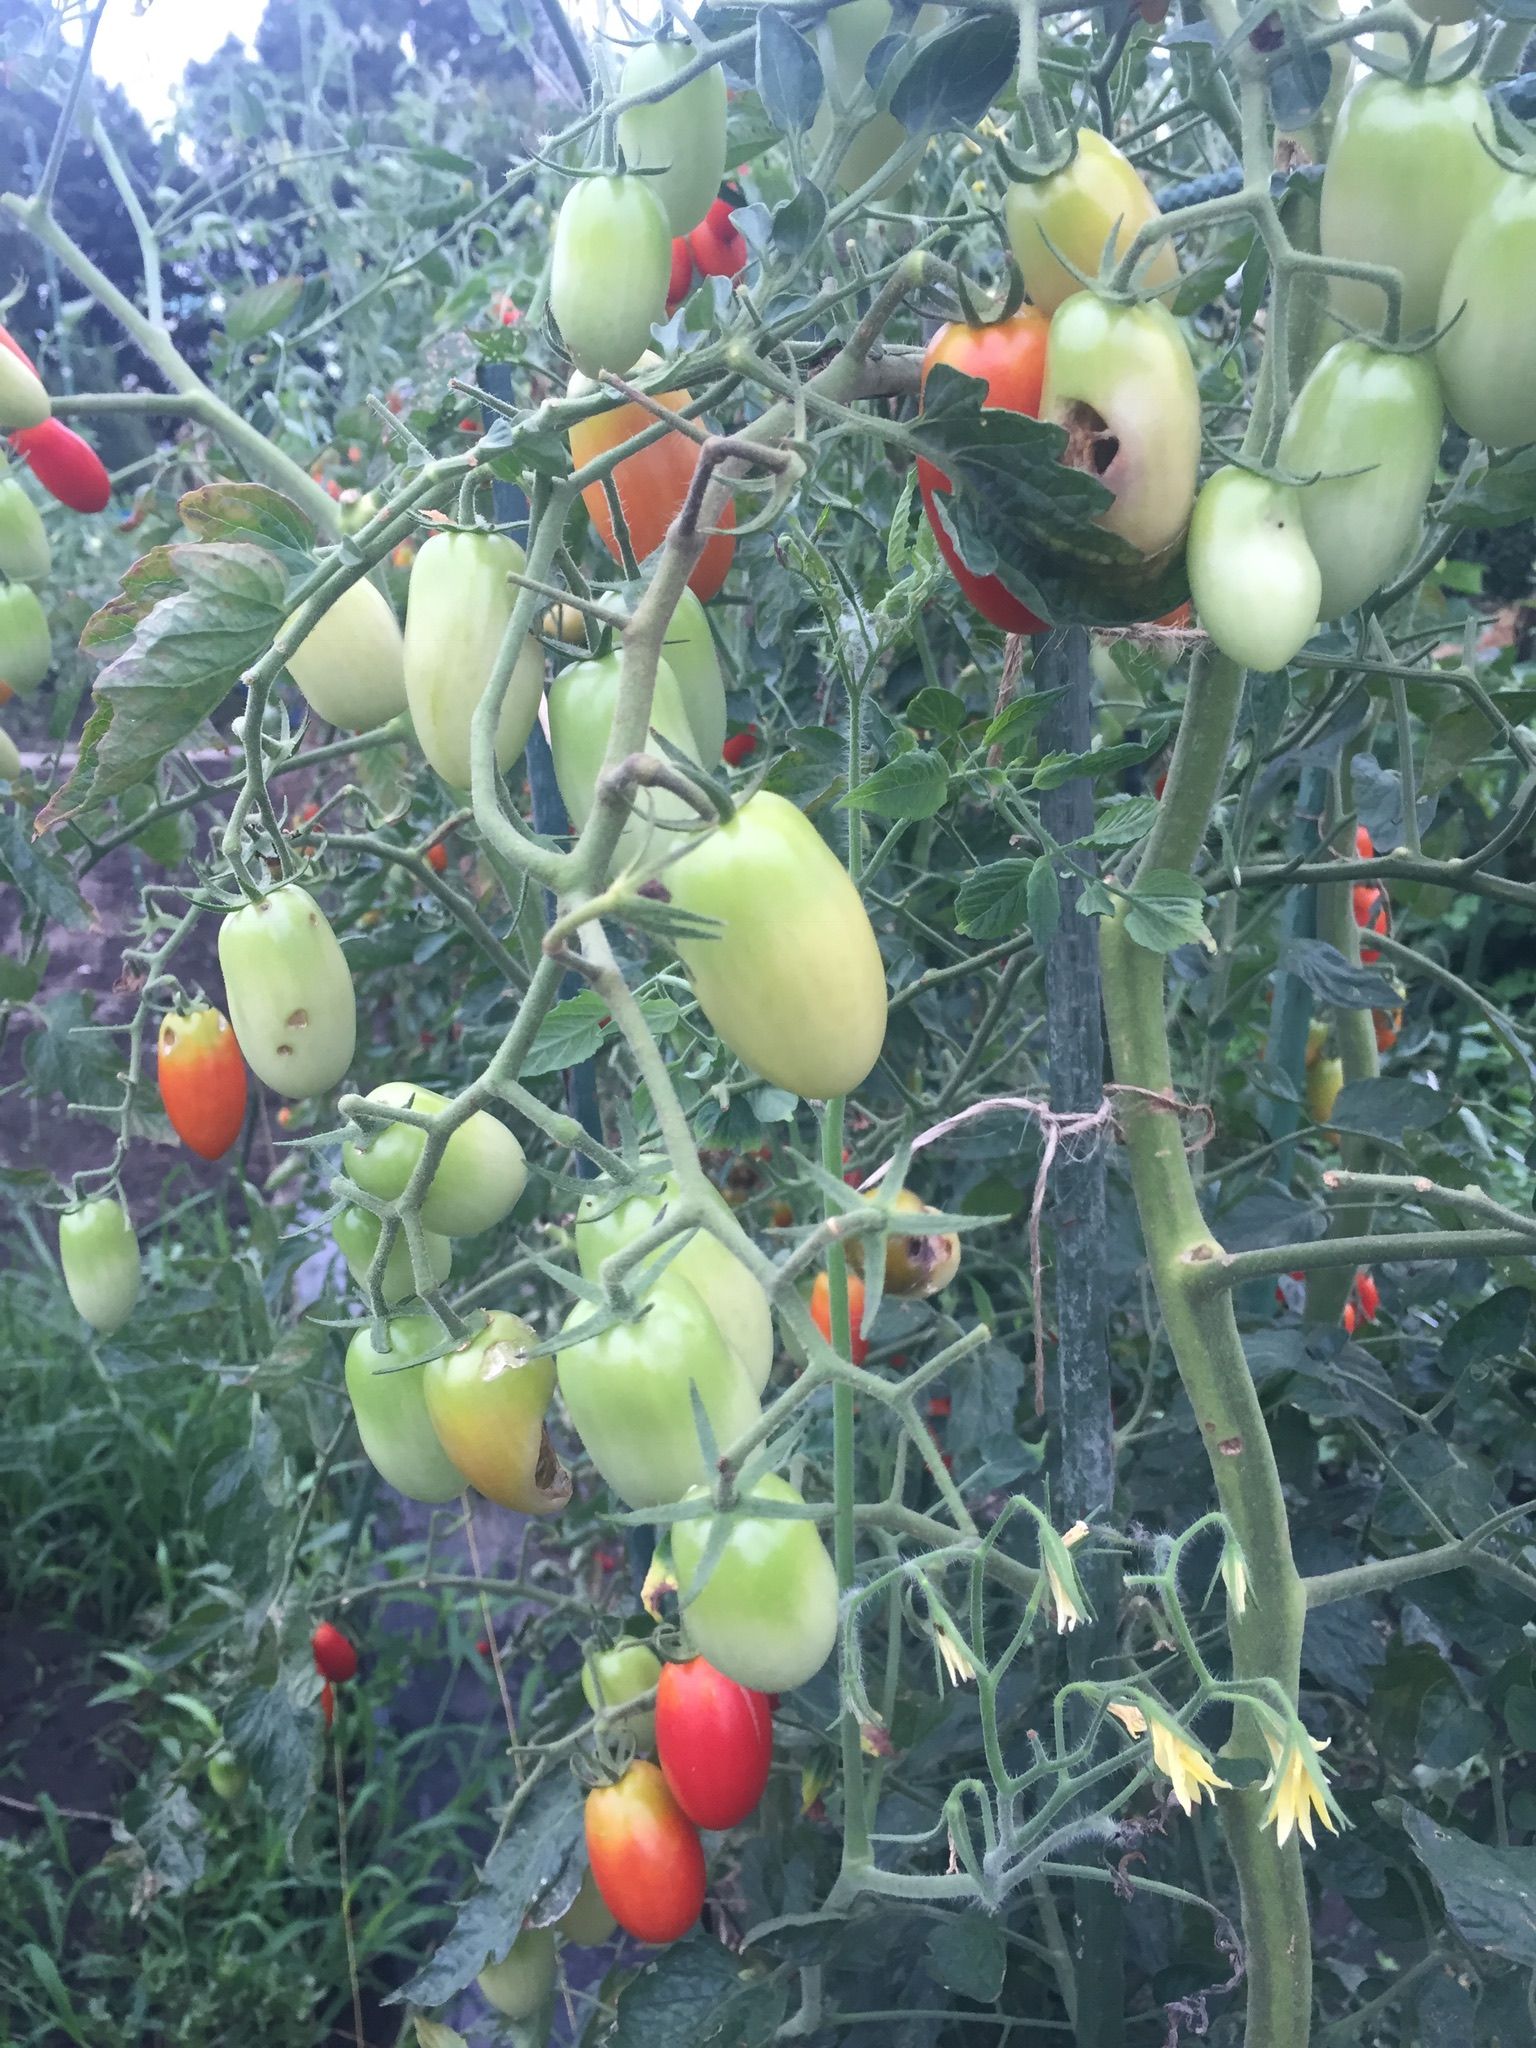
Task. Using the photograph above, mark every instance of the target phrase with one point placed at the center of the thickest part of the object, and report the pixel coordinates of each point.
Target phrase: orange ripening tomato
(1367, 1295)
(651, 486)
(1348, 1319)
(1364, 846)
(646, 1857)
(66, 466)
(437, 857)
(202, 1080)
(1371, 914)
(1387, 1024)
(821, 1313)
(1009, 358)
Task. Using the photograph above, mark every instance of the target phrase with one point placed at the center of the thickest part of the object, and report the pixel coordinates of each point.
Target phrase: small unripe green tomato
(524, 1978)
(100, 1257)
(609, 1678)
(478, 1180)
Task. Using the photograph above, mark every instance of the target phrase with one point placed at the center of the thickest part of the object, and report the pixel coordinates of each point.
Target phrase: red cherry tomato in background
(714, 1742)
(821, 1312)
(1367, 1296)
(1009, 358)
(1371, 914)
(335, 1656)
(67, 467)
(437, 857)
(328, 1703)
(720, 249)
(646, 1857)
(1364, 847)
(680, 284)
(202, 1080)
(741, 746)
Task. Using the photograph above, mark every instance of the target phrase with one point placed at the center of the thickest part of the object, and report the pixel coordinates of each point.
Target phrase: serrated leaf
(799, 220)
(968, 1954)
(912, 786)
(44, 882)
(995, 900)
(957, 74)
(571, 1033)
(1333, 980)
(262, 309)
(1016, 721)
(1042, 896)
(1167, 909)
(251, 512)
(276, 1741)
(789, 81)
(1495, 1328)
(934, 710)
(1123, 822)
(696, 1994)
(1056, 769)
(1386, 1107)
(1298, 84)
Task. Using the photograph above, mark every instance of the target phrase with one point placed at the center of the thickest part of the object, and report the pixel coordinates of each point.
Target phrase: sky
(146, 53)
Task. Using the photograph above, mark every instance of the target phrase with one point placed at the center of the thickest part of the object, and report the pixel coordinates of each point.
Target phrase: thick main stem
(1266, 1637)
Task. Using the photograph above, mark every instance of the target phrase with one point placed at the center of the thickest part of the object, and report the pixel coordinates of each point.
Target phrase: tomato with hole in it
(487, 1399)
(349, 667)
(388, 1391)
(25, 553)
(66, 465)
(821, 1313)
(651, 485)
(476, 1182)
(1088, 213)
(26, 645)
(290, 994)
(457, 609)
(792, 980)
(609, 270)
(357, 1232)
(606, 1222)
(1254, 579)
(678, 140)
(714, 1742)
(1009, 358)
(582, 701)
(917, 1263)
(646, 1856)
(202, 1080)
(1484, 359)
(335, 1654)
(766, 1614)
(524, 1979)
(630, 1391)
(100, 1257)
(612, 1678)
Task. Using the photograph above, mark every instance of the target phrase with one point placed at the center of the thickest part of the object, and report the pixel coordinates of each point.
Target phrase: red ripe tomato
(1009, 358)
(681, 281)
(1367, 1295)
(1364, 847)
(328, 1703)
(335, 1656)
(714, 1742)
(202, 1080)
(741, 746)
(1371, 914)
(1348, 1319)
(718, 248)
(821, 1312)
(646, 1856)
(437, 857)
(1386, 1024)
(67, 467)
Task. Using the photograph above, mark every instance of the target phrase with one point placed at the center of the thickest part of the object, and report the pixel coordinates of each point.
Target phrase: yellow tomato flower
(1234, 1576)
(1189, 1771)
(956, 1659)
(1297, 1787)
(1068, 1599)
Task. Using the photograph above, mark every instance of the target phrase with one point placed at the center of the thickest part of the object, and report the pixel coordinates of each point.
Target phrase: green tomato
(680, 137)
(26, 646)
(1486, 360)
(767, 1613)
(349, 666)
(609, 271)
(845, 40)
(730, 1293)
(1254, 579)
(288, 990)
(100, 1257)
(478, 1180)
(582, 700)
(388, 1393)
(1120, 380)
(611, 1678)
(356, 1232)
(586, 1921)
(487, 1401)
(1407, 174)
(1089, 213)
(525, 1977)
(10, 757)
(1378, 414)
(793, 981)
(23, 401)
(227, 1776)
(457, 610)
(629, 1392)
(689, 651)
(25, 556)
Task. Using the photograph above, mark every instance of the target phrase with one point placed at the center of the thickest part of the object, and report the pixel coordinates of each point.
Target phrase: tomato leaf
(912, 786)
(1389, 1108)
(1501, 493)
(540, 1863)
(1124, 821)
(1487, 1892)
(1042, 896)
(694, 1995)
(995, 900)
(934, 710)
(276, 1738)
(955, 75)
(262, 309)
(968, 1955)
(1333, 980)
(1167, 909)
(43, 881)
(788, 75)
(798, 221)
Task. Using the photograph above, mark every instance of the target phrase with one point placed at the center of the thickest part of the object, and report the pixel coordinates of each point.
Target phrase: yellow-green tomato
(26, 646)
(388, 1393)
(457, 610)
(1407, 175)
(525, 1977)
(1089, 213)
(487, 1401)
(1377, 414)
(23, 401)
(629, 1391)
(100, 1257)
(582, 701)
(1487, 360)
(766, 1615)
(227, 1776)
(689, 651)
(356, 1232)
(679, 138)
(611, 1678)
(609, 271)
(792, 981)
(586, 1921)
(25, 555)
(730, 1293)
(289, 992)
(349, 666)
(1253, 577)
(10, 757)
(478, 1179)
(1120, 380)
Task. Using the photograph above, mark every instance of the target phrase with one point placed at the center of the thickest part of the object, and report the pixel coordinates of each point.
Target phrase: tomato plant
(386, 1385)
(766, 1614)
(714, 1742)
(100, 1257)
(202, 1080)
(609, 270)
(647, 1860)
(457, 611)
(289, 990)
